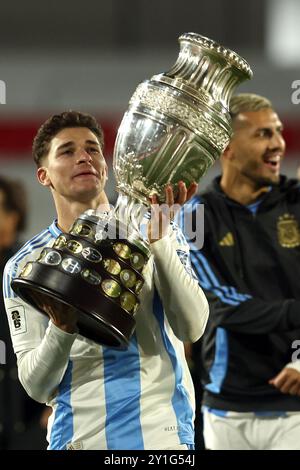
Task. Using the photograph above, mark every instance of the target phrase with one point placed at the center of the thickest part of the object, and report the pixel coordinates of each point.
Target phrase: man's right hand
(61, 315)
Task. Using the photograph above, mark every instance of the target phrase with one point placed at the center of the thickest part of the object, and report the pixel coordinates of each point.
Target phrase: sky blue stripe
(213, 278)
(14, 259)
(184, 257)
(215, 411)
(36, 242)
(33, 247)
(259, 414)
(219, 368)
(195, 255)
(270, 414)
(179, 219)
(230, 292)
(200, 272)
(253, 207)
(63, 427)
(234, 297)
(191, 205)
(53, 229)
(206, 284)
(122, 386)
(180, 401)
(188, 208)
(25, 247)
(179, 235)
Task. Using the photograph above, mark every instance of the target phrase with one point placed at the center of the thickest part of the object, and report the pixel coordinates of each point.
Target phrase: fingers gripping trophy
(177, 125)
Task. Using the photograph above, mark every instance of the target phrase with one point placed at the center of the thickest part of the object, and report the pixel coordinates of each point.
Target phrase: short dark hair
(15, 200)
(58, 122)
(247, 102)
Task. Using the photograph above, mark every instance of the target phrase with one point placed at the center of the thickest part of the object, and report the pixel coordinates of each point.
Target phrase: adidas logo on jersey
(228, 240)
(77, 445)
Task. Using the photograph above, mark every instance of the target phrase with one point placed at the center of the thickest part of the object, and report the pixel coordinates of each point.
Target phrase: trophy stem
(130, 212)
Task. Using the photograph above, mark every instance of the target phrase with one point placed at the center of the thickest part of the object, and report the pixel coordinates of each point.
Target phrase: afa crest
(288, 231)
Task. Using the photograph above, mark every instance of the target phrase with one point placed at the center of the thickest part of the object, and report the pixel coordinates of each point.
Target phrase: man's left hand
(163, 214)
(287, 381)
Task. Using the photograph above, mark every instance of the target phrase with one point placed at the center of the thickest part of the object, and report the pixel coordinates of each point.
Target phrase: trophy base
(97, 320)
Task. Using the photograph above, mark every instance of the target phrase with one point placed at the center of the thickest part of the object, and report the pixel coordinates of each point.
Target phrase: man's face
(257, 146)
(75, 167)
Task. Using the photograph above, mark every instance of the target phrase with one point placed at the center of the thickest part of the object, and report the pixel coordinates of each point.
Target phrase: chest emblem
(288, 231)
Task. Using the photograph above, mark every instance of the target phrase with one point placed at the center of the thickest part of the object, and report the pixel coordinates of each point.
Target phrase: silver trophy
(177, 125)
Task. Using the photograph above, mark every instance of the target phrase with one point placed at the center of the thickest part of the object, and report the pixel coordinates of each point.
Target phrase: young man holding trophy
(102, 398)
(176, 126)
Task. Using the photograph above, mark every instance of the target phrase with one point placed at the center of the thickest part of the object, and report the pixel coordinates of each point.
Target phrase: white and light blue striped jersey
(102, 398)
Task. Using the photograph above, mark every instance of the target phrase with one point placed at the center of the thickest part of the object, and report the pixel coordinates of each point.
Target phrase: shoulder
(29, 251)
(29, 248)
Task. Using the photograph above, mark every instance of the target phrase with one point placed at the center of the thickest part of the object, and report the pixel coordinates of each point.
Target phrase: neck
(240, 188)
(69, 211)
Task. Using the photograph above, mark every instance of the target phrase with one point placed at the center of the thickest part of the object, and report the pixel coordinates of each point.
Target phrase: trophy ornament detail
(178, 123)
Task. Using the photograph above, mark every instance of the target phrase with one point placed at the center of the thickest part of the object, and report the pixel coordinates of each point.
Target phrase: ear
(228, 152)
(43, 177)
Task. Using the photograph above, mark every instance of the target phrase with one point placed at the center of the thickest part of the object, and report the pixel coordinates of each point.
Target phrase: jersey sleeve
(183, 299)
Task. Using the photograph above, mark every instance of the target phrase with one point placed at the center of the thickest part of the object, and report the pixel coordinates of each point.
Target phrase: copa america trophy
(177, 125)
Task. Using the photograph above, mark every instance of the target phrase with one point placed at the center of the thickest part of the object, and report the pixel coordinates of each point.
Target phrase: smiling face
(74, 168)
(257, 146)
